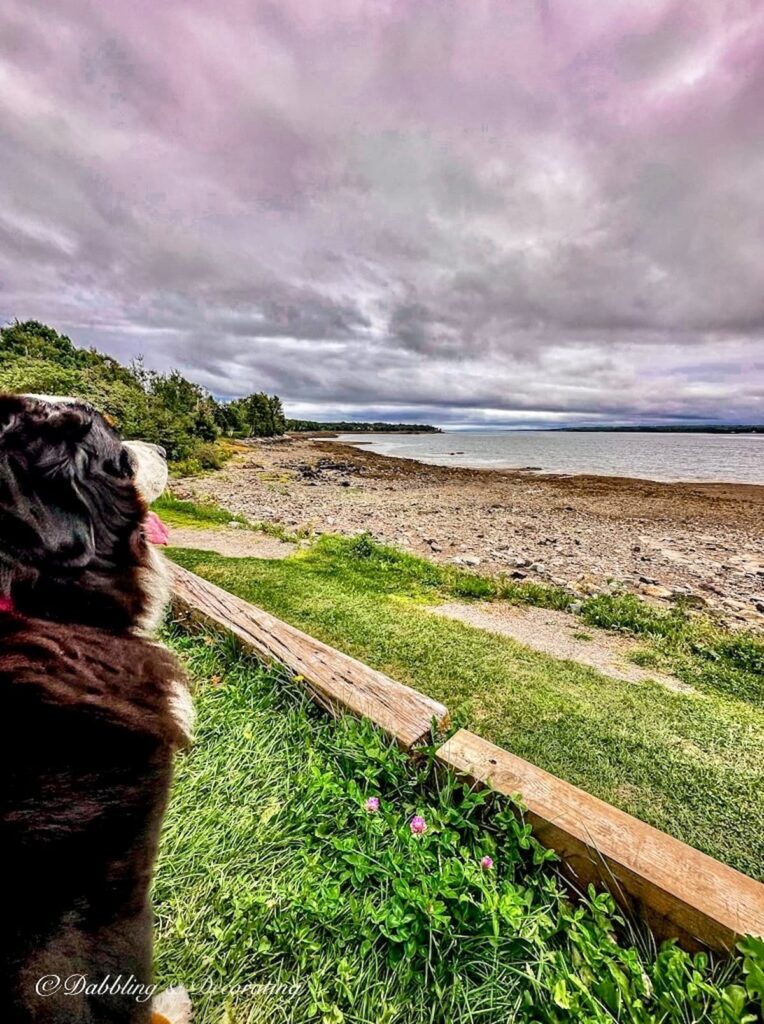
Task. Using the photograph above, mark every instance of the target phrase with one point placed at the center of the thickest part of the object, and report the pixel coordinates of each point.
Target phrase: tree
(165, 408)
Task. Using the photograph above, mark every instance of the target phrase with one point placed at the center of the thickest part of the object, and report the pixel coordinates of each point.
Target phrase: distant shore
(664, 541)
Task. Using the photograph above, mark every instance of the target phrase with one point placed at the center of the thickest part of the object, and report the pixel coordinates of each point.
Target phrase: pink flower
(418, 825)
(372, 804)
(486, 863)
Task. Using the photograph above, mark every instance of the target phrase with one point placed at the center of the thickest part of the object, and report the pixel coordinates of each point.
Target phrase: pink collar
(6, 605)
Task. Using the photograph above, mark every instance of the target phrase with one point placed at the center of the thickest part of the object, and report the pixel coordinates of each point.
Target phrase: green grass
(691, 764)
(205, 515)
(694, 647)
(201, 515)
(280, 898)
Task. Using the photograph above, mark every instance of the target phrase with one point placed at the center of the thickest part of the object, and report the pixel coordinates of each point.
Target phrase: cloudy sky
(484, 211)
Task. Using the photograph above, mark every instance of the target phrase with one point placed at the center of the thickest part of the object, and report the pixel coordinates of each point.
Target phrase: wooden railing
(680, 892)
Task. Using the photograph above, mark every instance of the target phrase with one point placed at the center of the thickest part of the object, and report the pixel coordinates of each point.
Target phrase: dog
(93, 711)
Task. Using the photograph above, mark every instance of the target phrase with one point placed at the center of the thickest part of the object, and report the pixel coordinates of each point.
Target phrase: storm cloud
(482, 212)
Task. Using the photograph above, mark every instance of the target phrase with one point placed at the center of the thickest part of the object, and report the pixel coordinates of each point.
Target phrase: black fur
(88, 733)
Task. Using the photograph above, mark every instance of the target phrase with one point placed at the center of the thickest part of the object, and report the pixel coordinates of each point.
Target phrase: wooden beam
(680, 892)
(335, 680)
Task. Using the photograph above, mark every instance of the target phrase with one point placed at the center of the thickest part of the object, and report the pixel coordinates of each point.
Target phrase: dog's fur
(92, 712)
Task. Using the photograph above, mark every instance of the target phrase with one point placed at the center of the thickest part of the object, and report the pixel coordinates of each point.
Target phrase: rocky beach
(702, 544)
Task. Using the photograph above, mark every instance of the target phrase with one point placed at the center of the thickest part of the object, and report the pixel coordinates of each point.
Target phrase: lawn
(282, 895)
(691, 764)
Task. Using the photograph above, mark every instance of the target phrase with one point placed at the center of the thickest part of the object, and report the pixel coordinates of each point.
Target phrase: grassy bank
(690, 763)
(197, 515)
(281, 897)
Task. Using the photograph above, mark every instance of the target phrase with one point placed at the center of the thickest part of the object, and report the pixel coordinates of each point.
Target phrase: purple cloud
(471, 212)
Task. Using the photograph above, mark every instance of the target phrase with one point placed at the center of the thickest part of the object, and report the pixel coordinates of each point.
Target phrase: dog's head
(73, 516)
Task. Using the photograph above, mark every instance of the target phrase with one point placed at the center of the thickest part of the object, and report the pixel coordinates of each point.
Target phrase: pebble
(598, 538)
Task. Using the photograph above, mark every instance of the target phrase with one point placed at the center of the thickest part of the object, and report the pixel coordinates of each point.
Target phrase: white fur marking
(174, 1004)
(58, 400)
(182, 708)
(150, 469)
(155, 587)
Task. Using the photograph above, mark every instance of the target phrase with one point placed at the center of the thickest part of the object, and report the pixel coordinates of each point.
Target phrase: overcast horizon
(475, 214)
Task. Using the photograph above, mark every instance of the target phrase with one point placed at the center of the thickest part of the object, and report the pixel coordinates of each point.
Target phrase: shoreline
(537, 472)
(700, 542)
(733, 488)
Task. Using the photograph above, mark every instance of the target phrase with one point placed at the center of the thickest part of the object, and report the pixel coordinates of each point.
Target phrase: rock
(655, 590)
(575, 607)
(471, 560)
(711, 589)
(233, 525)
(539, 568)
(648, 580)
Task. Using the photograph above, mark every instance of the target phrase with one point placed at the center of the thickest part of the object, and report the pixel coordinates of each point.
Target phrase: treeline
(164, 408)
(350, 427)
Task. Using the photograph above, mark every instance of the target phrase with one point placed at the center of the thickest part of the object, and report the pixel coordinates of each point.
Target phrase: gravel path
(562, 636)
(232, 543)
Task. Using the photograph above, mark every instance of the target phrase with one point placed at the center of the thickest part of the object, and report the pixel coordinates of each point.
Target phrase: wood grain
(335, 680)
(679, 891)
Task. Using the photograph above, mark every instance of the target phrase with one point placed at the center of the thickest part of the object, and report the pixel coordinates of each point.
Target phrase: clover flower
(486, 863)
(418, 825)
(372, 804)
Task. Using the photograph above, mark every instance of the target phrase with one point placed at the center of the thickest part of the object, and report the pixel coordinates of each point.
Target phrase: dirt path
(703, 542)
(563, 636)
(232, 543)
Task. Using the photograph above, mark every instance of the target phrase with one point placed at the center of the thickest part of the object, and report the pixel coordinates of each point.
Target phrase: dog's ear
(71, 423)
(62, 432)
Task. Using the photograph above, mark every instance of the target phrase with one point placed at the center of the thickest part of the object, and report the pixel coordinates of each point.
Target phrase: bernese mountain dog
(92, 711)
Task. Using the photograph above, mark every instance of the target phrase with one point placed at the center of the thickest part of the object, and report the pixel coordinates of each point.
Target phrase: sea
(731, 458)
